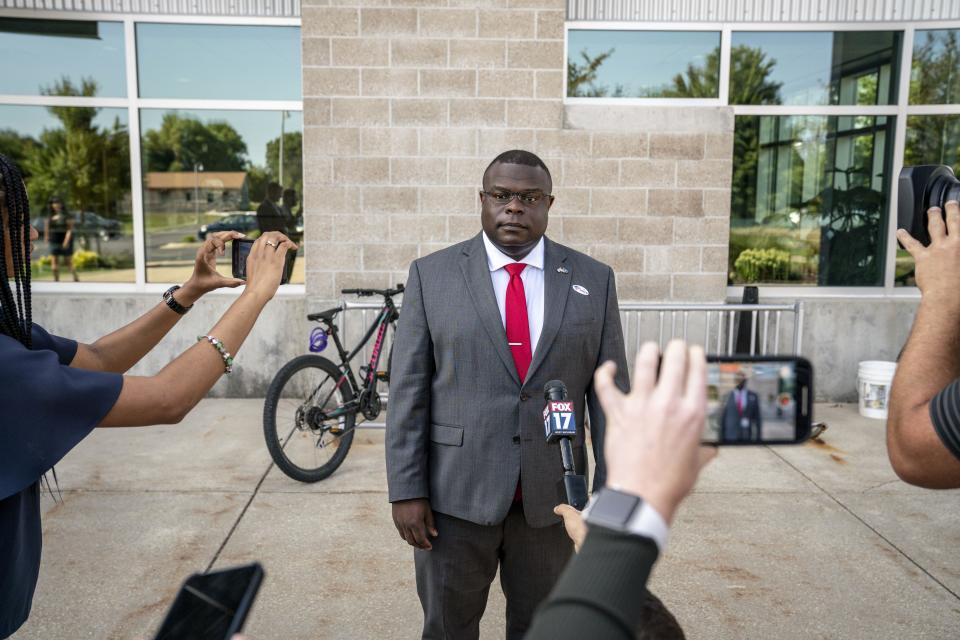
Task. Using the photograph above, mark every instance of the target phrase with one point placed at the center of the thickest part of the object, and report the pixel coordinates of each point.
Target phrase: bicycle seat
(327, 315)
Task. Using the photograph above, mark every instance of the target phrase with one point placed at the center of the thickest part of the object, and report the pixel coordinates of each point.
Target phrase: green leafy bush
(762, 265)
(86, 260)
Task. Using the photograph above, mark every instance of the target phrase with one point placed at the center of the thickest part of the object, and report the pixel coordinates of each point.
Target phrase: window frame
(900, 110)
(133, 103)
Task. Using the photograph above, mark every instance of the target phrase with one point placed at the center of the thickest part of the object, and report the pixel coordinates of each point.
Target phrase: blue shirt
(46, 409)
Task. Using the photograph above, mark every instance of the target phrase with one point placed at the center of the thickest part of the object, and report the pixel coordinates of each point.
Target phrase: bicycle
(315, 401)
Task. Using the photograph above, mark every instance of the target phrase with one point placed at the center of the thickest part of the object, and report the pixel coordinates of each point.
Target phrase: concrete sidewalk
(814, 541)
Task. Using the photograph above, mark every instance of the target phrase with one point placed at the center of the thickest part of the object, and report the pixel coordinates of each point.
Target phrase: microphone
(560, 425)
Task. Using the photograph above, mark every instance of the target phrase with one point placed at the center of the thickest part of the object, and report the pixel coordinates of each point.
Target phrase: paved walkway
(814, 541)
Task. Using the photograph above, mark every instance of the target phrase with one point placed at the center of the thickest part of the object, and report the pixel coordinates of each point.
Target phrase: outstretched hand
(205, 276)
(652, 444)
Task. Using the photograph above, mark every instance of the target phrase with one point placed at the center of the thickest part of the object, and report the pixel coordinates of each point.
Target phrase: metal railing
(714, 326)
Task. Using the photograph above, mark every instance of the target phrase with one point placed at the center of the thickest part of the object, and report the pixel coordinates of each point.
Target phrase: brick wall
(406, 103)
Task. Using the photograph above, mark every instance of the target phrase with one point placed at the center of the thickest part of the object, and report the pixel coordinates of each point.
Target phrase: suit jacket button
(524, 396)
(516, 439)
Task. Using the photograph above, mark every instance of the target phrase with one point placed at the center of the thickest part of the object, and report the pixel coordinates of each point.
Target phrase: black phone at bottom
(758, 400)
(241, 249)
(212, 606)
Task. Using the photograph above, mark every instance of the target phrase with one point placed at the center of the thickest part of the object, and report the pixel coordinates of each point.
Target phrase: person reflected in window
(289, 204)
(58, 233)
(270, 216)
(741, 415)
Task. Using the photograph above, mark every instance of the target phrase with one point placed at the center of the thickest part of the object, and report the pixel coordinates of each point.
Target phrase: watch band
(628, 514)
(172, 303)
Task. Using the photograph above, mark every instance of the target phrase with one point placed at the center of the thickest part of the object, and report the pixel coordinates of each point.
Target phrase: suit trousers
(453, 579)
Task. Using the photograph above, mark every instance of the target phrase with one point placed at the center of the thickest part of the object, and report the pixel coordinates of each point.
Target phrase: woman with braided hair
(54, 391)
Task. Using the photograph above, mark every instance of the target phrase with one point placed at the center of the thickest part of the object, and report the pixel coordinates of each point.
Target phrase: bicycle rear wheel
(304, 450)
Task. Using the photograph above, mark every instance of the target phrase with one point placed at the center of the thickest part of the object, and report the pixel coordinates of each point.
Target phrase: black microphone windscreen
(555, 390)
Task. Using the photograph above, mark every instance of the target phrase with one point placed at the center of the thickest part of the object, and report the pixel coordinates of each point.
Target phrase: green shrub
(188, 239)
(86, 260)
(761, 265)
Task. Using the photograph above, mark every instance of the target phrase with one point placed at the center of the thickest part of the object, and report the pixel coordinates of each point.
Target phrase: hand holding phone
(212, 606)
(241, 252)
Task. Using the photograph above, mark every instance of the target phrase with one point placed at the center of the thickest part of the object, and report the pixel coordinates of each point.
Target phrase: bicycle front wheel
(304, 446)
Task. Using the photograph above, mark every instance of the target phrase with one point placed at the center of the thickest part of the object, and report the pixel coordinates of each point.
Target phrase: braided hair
(16, 315)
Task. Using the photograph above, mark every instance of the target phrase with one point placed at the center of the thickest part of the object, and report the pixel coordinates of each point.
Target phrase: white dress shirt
(532, 277)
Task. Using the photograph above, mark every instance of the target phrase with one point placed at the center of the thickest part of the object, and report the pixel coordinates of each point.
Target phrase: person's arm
(168, 396)
(408, 421)
(652, 451)
(122, 349)
(930, 360)
(611, 349)
(597, 595)
(69, 235)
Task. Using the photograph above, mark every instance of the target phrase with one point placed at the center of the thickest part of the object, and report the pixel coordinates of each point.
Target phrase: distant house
(179, 191)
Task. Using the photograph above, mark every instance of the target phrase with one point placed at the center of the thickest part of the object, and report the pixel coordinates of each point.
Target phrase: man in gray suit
(485, 323)
(741, 415)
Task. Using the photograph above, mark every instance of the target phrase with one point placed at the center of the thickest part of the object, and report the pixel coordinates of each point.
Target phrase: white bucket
(874, 379)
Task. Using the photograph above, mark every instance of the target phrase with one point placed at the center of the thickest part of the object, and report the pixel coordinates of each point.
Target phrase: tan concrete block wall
(407, 101)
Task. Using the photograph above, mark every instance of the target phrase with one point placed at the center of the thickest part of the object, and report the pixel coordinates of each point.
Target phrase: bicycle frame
(387, 315)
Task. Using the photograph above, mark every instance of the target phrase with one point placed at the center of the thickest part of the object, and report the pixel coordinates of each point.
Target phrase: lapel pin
(581, 290)
(562, 270)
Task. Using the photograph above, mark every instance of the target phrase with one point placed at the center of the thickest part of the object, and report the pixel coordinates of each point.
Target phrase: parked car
(88, 224)
(243, 222)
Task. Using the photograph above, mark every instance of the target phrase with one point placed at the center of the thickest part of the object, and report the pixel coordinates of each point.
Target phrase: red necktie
(518, 327)
(518, 331)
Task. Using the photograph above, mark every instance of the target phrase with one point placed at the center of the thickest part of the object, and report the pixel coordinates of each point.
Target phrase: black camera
(929, 185)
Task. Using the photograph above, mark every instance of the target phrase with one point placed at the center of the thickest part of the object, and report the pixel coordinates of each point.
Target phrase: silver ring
(272, 244)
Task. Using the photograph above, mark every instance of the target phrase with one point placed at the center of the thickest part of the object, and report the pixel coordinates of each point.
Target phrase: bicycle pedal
(383, 375)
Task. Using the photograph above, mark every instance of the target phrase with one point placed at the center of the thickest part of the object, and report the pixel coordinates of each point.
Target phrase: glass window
(62, 58)
(76, 164)
(643, 64)
(814, 68)
(222, 62)
(809, 199)
(935, 72)
(206, 171)
(933, 139)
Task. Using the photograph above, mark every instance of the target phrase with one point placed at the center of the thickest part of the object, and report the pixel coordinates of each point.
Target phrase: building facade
(697, 147)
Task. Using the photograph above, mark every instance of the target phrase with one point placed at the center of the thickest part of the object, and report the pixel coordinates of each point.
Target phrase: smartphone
(212, 606)
(240, 251)
(758, 400)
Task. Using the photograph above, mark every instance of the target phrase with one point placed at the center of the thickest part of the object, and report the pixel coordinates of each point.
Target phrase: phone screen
(756, 402)
(212, 606)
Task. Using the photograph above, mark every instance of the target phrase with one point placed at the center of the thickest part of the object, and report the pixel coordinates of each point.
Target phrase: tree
(87, 166)
(182, 142)
(292, 160)
(934, 80)
(749, 78)
(15, 146)
(582, 76)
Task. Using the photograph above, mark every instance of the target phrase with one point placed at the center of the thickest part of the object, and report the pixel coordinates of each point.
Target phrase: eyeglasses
(525, 197)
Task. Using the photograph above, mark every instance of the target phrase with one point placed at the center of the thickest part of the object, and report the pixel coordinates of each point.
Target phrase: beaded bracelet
(218, 345)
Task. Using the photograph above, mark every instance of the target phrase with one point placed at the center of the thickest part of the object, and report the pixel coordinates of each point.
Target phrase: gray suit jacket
(460, 426)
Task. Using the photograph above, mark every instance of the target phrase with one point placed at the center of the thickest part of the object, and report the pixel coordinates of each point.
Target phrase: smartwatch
(627, 514)
(173, 304)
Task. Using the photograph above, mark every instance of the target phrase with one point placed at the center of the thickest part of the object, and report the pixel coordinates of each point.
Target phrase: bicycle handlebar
(386, 293)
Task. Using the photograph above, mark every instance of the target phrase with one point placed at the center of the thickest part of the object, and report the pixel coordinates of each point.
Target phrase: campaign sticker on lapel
(581, 290)
(562, 270)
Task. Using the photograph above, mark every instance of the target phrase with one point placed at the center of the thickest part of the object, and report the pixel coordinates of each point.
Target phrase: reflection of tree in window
(582, 77)
(86, 165)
